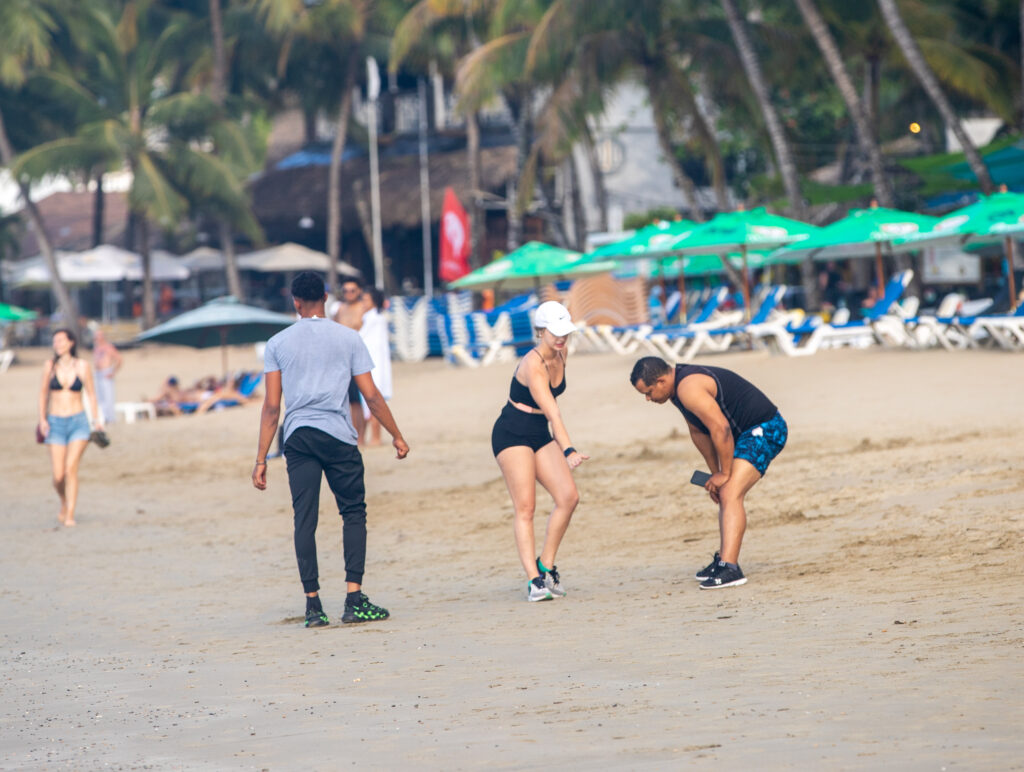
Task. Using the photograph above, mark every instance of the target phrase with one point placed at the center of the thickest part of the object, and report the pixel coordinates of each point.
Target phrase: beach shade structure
(743, 232)
(529, 266)
(292, 257)
(74, 268)
(994, 218)
(648, 241)
(9, 313)
(220, 322)
(203, 259)
(863, 233)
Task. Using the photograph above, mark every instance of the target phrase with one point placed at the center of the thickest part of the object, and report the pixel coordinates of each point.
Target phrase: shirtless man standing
(350, 314)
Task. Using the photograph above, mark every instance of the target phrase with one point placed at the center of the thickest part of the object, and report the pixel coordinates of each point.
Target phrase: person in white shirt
(375, 334)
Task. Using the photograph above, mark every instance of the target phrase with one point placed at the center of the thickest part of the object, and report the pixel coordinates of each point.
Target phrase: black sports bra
(56, 386)
(519, 393)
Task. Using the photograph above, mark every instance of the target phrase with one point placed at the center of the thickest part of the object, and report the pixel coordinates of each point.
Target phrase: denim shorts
(761, 443)
(65, 429)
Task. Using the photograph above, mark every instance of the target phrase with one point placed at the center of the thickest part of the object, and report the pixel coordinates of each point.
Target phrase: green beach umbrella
(994, 218)
(743, 232)
(220, 322)
(649, 240)
(9, 313)
(863, 233)
(529, 265)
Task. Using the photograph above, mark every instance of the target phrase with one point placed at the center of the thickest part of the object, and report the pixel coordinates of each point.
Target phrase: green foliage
(638, 220)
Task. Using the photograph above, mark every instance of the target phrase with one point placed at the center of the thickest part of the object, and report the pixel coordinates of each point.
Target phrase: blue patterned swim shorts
(760, 444)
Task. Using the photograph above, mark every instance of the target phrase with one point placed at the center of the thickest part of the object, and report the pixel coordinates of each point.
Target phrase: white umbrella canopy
(203, 259)
(74, 267)
(291, 257)
(163, 266)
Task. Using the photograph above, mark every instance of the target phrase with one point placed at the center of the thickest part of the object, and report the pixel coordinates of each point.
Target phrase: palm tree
(135, 116)
(833, 59)
(433, 34)
(25, 40)
(340, 26)
(910, 50)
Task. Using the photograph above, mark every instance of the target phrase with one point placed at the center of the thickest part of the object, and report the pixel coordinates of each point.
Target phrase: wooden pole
(879, 276)
(746, 282)
(1010, 279)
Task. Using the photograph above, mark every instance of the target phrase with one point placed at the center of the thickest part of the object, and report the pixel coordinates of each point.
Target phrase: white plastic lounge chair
(808, 338)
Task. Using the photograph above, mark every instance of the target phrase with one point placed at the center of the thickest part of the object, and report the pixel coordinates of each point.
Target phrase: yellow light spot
(915, 128)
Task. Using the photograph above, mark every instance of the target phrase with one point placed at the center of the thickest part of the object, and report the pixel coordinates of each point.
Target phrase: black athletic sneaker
(724, 576)
(707, 572)
(316, 618)
(363, 611)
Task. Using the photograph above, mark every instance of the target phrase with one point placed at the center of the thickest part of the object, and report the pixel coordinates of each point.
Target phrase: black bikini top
(521, 394)
(55, 384)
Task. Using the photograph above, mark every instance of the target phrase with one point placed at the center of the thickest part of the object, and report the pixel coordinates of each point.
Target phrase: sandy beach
(882, 626)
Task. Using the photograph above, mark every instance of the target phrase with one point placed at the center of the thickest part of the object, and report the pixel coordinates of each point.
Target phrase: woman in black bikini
(527, 453)
(62, 418)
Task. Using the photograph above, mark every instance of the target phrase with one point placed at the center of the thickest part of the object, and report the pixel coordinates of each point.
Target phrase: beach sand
(881, 627)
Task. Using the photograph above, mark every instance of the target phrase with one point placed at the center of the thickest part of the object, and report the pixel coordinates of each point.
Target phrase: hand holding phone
(700, 478)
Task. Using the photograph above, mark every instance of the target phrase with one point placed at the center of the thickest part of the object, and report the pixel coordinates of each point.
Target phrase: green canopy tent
(528, 266)
(994, 218)
(9, 313)
(744, 232)
(862, 233)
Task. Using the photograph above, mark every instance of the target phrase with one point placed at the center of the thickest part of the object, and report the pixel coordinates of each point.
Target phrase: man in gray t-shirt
(311, 365)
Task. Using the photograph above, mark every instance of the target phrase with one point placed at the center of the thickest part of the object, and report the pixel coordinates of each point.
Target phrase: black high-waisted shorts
(517, 427)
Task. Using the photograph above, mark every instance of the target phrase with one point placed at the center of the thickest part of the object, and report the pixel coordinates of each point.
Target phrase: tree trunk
(218, 87)
(752, 68)
(218, 93)
(476, 213)
(522, 136)
(227, 247)
(579, 219)
(783, 156)
(712, 150)
(334, 181)
(834, 60)
(909, 48)
(148, 303)
(597, 177)
(679, 175)
(97, 210)
(872, 79)
(64, 300)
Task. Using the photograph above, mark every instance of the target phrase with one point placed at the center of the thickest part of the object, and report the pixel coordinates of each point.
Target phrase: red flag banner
(454, 262)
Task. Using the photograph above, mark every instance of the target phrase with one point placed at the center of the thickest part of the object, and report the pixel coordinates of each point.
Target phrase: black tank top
(519, 393)
(743, 404)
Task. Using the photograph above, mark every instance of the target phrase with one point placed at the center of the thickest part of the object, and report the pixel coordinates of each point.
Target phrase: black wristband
(568, 451)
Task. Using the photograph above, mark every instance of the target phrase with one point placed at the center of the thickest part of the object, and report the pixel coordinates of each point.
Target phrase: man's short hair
(308, 286)
(352, 280)
(648, 370)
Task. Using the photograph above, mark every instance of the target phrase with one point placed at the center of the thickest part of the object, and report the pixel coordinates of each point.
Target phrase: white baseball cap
(554, 317)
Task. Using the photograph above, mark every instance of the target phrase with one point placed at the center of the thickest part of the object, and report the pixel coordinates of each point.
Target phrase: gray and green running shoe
(316, 618)
(363, 611)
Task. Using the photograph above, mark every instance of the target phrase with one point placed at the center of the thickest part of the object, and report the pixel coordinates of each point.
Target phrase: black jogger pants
(311, 454)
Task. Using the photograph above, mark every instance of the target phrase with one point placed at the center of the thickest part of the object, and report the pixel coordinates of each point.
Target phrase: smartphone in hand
(700, 478)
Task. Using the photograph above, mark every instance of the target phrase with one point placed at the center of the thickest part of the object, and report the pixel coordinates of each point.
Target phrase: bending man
(738, 431)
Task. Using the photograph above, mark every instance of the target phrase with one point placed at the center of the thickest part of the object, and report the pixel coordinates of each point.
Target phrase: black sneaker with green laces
(316, 618)
(363, 611)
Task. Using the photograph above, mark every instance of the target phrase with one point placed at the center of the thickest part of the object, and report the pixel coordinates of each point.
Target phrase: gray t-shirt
(317, 359)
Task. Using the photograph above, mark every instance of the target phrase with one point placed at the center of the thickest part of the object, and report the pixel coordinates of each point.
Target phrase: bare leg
(732, 516)
(74, 457)
(518, 467)
(554, 474)
(58, 462)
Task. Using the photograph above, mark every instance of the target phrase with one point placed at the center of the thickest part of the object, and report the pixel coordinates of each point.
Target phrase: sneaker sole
(549, 596)
(735, 583)
(363, 621)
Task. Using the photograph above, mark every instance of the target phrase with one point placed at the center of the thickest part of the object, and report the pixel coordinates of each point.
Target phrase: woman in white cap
(527, 453)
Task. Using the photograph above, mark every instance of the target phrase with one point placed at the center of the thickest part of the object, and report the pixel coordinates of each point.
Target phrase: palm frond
(153, 193)
(490, 67)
